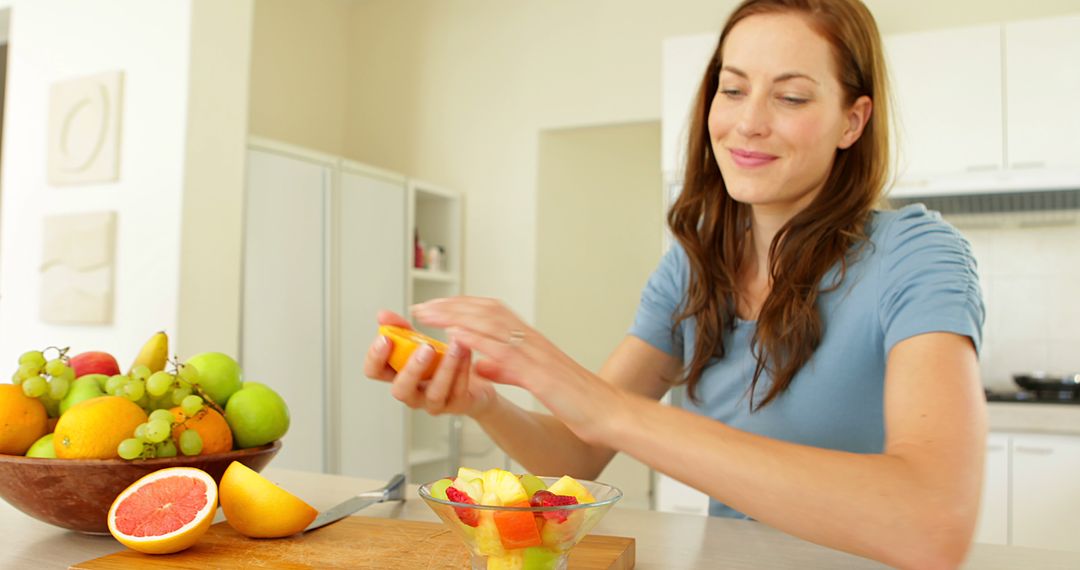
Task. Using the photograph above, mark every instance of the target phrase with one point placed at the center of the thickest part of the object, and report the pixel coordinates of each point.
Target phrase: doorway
(599, 237)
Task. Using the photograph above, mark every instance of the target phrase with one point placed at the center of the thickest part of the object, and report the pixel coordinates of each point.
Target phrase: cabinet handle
(1034, 450)
(1028, 164)
(982, 167)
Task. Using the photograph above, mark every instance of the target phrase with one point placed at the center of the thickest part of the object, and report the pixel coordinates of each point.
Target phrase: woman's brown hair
(712, 227)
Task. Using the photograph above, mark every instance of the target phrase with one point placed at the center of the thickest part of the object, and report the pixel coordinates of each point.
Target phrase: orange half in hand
(406, 341)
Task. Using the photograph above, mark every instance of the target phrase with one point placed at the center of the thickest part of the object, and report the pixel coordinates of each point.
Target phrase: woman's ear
(857, 116)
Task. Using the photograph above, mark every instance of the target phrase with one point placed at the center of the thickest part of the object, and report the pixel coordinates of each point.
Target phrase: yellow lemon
(256, 507)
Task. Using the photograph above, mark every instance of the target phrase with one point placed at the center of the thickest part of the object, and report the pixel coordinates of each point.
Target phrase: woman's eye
(792, 100)
(731, 92)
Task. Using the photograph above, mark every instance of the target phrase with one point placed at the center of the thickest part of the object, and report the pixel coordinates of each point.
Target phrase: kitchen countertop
(1061, 419)
(664, 541)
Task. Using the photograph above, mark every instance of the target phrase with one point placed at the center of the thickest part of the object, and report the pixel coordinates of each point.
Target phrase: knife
(394, 490)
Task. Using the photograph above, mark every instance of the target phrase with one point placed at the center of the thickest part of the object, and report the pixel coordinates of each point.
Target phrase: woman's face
(779, 113)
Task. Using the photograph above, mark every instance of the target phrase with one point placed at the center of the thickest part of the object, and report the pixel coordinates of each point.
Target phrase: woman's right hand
(454, 389)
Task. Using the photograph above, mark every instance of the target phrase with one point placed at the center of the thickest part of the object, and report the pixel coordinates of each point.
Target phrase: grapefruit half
(165, 511)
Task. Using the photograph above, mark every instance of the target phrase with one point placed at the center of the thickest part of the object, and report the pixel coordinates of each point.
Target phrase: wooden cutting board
(355, 542)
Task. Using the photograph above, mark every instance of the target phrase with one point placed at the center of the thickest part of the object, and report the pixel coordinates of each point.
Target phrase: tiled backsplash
(1029, 266)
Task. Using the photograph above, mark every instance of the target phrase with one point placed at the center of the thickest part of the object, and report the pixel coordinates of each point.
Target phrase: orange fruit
(405, 341)
(92, 429)
(165, 511)
(22, 420)
(209, 424)
(256, 507)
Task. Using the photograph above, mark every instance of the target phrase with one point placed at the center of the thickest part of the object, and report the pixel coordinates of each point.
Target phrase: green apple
(83, 388)
(218, 375)
(43, 448)
(256, 415)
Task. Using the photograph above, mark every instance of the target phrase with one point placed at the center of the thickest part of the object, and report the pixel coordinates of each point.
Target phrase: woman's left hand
(518, 355)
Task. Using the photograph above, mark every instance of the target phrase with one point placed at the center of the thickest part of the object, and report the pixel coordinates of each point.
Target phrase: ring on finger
(516, 337)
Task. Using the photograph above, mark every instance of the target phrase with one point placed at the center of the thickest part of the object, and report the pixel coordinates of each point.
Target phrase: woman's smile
(751, 159)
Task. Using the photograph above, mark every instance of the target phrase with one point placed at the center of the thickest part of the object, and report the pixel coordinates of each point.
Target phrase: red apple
(94, 363)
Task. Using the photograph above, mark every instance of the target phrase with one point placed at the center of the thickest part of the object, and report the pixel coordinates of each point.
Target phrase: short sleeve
(929, 281)
(660, 302)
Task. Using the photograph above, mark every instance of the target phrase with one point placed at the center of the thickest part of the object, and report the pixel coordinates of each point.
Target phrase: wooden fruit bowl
(76, 493)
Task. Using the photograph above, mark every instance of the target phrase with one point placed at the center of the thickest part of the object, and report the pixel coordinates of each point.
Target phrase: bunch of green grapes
(155, 390)
(154, 438)
(173, 386)
(45, 379)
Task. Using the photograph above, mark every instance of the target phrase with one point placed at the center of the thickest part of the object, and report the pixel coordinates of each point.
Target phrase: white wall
(212, 214)
(151, 42)
(1029, 274)
(299, 75)
(457, 92)
(599, 222)
(55, 40)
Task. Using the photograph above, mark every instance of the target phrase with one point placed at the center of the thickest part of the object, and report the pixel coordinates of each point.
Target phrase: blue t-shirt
(917, 275)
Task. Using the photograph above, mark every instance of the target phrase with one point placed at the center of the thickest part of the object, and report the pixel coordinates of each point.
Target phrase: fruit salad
(537, 524)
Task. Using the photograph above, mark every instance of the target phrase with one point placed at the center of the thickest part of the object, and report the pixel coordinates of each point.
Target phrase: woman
(829, 349)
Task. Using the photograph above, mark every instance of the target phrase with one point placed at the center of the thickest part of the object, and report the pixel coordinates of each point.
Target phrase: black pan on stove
(1040, 382)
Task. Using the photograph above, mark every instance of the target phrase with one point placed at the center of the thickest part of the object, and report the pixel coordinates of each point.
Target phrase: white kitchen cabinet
(683, 61)
(328, 242)
(947, 89)
(993, 526)
(1045, 493)
(988, 108)
(369, 244)
(284, 318)
(1042, 80)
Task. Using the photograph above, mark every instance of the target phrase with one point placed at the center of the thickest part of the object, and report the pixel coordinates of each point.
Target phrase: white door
(370, 273)
(284, 327)
(1042, 81)
(1045, 493)
(947, 89)
(993, 527)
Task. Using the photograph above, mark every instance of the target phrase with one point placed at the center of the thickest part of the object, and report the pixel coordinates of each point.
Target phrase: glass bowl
(560, 528)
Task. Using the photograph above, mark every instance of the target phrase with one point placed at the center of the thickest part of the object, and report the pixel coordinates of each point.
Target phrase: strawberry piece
(549, 499)
(466, 515)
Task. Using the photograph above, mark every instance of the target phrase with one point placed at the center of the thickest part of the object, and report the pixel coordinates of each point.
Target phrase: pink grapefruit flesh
(161, 507)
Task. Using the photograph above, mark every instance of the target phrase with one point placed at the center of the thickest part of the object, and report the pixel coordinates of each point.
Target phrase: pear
(154, 353)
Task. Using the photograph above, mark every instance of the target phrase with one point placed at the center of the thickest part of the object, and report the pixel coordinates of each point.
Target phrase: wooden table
(664, 541)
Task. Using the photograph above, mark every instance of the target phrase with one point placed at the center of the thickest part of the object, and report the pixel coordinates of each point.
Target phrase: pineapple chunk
(502, 487)
(468, 474)
(474, 488)
(570, 486)
(512, 560)
(487, 536)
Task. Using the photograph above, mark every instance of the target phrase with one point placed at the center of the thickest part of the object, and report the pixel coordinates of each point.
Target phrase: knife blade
(394, 490)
